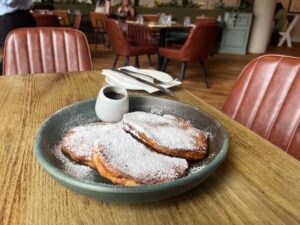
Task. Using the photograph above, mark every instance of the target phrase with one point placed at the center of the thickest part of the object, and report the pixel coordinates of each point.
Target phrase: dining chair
(140, 35)
(98, 24)
(286, 36)
(179, 37)
(77, 21)
(46, 20)
(64, 17)
(218, 37)
(195, 48)
(122, 47)
(45, 50)
(265, 98)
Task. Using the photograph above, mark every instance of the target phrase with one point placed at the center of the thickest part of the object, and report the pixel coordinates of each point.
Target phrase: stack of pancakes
(143, 148)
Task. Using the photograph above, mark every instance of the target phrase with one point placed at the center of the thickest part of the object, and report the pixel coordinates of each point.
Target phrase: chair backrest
(98, 20)
(64, 17)
(265, 98)
(150, 17)
(45, 50)
(77, 21)
(117, 38)
(44, 20)
(199, 40)
(141, 35)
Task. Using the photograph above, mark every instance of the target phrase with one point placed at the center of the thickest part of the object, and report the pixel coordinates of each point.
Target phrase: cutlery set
(157, 80)
(155, 85)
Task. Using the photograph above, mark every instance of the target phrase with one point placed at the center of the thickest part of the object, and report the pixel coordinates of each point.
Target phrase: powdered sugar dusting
(73, 169)
(80, 140)
(167, 130)
(156, 111)
(133, 158)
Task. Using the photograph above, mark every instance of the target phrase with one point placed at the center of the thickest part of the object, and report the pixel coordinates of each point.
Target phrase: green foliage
(241, 6)
(175, 4)
(191, 4)
(172, 3)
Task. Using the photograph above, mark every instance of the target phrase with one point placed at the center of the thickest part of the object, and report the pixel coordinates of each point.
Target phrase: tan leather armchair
(45, 50)
(121, 46)
(195, 48)
(266, 99)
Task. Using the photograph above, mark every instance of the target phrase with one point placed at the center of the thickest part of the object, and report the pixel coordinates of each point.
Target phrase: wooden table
(257, 184)
(161, 29)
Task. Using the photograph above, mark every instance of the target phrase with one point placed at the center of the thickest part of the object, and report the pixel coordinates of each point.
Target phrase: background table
(258, 183)
(162, 30)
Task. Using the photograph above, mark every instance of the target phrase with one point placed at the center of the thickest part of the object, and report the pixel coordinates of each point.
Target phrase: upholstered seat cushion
(172, 53)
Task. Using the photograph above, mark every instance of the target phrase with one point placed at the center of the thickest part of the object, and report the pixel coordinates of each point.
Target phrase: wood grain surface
(257, 184)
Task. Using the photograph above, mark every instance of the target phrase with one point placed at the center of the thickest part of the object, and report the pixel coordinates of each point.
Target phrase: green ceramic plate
(86, 181)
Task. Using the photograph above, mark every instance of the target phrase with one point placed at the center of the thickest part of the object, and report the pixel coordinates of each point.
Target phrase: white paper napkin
(132, 84)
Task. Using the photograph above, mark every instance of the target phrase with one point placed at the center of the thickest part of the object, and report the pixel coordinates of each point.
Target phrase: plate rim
(111, 188)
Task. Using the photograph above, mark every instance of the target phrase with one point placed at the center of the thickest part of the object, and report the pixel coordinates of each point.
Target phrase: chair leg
(137, 62)
(182, 72)
(289, 41)
(95, 40)
(103, 39)
(150, 60)
(126, 61)
(116, 61)
(159, 63)
(204, 72)
(281, 41)
(164, 65)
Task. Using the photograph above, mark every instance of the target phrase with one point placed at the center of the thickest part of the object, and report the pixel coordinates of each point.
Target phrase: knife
(162, 89)
(139, 73)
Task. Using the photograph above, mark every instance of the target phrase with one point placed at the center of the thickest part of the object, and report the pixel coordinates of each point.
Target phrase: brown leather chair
(142, 36)
(265, 98)
(121, 46)
(43, 20)
(63, 16)
(45, 50)
(195, 48)
(77, 21)
(98, 24)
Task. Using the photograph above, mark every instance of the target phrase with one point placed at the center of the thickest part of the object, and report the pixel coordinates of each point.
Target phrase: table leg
(162, 44)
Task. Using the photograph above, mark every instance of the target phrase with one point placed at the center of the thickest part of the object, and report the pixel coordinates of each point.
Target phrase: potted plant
(241, 6)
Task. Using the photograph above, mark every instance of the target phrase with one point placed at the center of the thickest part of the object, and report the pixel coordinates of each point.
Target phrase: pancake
(167, 134)
(124, 160)
(78, 142)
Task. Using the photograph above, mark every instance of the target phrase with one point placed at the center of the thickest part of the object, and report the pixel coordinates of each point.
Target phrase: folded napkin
(114, 77)
(158, 75)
